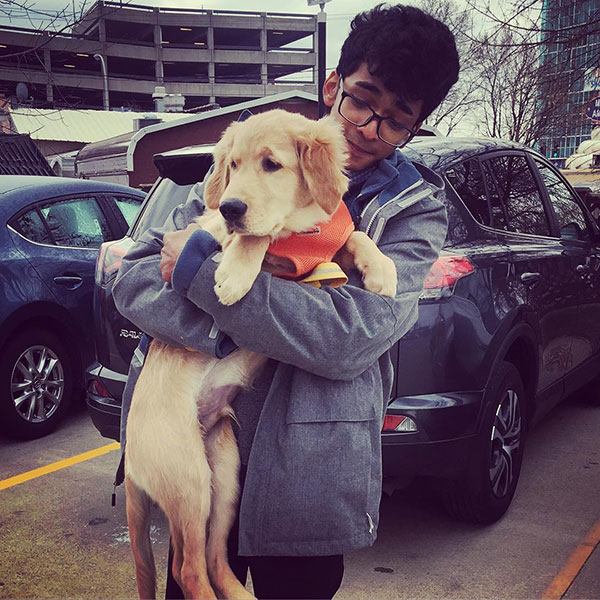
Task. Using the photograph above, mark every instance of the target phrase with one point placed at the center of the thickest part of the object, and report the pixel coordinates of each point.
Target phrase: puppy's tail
(138, 519)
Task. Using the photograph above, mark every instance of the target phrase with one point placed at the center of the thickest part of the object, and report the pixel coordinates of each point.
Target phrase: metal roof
(86, 126)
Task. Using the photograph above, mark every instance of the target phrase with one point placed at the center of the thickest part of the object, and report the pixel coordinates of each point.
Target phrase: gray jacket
(313, 480)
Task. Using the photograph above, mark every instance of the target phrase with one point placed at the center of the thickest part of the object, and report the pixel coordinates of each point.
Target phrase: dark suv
(509, 319)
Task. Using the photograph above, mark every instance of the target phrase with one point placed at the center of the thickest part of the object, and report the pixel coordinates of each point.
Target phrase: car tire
(36, 384)
(484, 494)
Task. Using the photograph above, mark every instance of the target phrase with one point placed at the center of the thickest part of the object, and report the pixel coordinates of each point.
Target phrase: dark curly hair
(412, 53)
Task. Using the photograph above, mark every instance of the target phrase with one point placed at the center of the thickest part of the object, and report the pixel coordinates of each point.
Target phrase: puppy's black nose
(233, 210)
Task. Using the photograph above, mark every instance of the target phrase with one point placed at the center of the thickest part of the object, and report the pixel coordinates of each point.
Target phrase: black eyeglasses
(359, 113)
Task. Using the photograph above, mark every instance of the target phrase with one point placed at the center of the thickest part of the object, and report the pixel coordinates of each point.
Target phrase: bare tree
(540, 21)
(43, 26)
(521, 95)
(49, 23)
(543, 25)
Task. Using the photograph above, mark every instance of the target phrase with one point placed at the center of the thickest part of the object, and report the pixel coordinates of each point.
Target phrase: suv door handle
(71, 282)
(530, 278)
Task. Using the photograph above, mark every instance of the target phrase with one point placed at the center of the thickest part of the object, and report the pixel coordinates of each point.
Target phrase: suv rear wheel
(36, 383)
(486, 492)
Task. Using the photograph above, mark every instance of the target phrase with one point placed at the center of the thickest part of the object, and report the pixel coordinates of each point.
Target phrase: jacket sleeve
(336, 333)
(141, 295)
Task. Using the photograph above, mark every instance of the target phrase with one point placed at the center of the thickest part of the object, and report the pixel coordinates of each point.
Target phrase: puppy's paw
(230, 287)
(380, 277)
(239, 594)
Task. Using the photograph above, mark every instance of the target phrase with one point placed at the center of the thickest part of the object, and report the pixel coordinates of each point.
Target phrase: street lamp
(321, 57)
(105, 76)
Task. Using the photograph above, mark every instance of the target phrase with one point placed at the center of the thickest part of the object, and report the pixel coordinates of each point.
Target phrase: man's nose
(369, 131)
(233, 209)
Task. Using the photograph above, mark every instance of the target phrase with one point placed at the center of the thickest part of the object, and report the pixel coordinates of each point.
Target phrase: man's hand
(173, 244)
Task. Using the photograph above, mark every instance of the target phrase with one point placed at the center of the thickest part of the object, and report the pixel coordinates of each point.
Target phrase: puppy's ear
(219, 178)
(322, 154)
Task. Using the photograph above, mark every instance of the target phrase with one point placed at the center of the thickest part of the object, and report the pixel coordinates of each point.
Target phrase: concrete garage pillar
(102, 38)
(210, 41)
(158, 63)
(264, 50)
(101, 25)
(48, 67)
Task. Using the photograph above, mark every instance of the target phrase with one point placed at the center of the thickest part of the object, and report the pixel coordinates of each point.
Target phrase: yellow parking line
(573, 566)
(61, 464)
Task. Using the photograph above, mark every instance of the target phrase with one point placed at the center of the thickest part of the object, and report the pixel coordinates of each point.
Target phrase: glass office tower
(571, 44)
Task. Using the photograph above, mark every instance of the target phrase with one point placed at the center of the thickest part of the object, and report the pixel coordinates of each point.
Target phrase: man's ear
(219, 178)
(322, 156)
(330, 89)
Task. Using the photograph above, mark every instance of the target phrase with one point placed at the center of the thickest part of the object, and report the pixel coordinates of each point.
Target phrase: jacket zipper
(395, 199)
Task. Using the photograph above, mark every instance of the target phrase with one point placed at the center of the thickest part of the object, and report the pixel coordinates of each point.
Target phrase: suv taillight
(445, 272)
(109, 259)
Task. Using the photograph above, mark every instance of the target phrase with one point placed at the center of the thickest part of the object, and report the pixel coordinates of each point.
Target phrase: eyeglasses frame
(374, 115)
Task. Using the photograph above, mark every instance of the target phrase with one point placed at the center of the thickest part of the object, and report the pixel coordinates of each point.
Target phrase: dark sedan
(509, 320)
(51, 229)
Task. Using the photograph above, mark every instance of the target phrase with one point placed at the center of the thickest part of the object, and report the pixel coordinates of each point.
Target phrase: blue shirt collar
(389, 177)
(392, 176)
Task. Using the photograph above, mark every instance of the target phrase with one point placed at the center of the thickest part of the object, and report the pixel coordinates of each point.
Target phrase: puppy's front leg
(213, 222)
(239, 268)
(378, 270)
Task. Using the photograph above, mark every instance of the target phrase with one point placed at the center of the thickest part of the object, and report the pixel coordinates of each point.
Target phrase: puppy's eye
(270, 165)
(233, 164)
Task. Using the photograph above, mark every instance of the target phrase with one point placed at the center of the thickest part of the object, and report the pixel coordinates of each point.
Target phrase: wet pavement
(61, 538)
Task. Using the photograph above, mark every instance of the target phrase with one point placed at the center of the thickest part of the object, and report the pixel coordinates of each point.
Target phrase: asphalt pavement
(61, 538)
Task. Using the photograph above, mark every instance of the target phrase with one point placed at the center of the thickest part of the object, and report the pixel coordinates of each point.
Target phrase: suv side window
(467, 180)
(497, 207)
(516, 201)
(77, 222)
(571, 220)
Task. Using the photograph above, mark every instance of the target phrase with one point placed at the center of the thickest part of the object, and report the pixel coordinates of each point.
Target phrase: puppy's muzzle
(233, 210)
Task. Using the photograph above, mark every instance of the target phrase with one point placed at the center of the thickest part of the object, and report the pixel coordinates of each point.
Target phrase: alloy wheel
(37, 384)
(506, 443)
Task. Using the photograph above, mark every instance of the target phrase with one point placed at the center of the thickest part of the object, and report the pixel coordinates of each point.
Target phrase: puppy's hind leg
(138, 519)
(223, 456)
(177, 545)
(188, 512)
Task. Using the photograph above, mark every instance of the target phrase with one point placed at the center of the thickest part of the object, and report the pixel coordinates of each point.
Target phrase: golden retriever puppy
(276, 174)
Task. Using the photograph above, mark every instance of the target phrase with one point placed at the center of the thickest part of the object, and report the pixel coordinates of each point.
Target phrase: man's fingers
(173, 243)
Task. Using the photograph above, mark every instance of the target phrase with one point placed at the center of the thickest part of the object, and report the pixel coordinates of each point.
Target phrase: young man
(310, 426)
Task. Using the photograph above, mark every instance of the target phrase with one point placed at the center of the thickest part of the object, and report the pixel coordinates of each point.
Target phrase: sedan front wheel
(35, 382)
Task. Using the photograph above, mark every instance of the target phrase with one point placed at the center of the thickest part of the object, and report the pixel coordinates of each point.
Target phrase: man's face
(364, 146)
